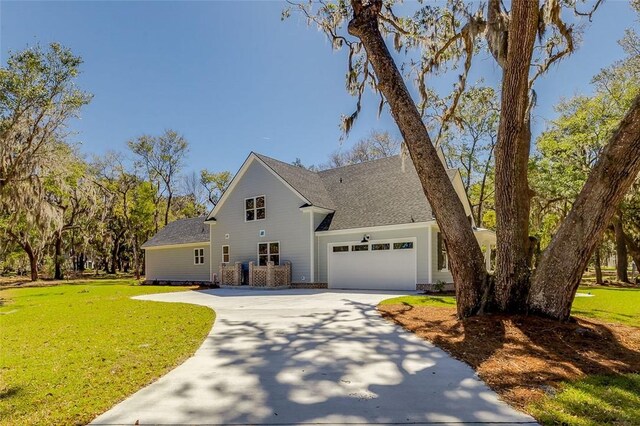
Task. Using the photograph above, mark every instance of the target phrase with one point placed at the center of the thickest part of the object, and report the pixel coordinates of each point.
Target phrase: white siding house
(365, 226)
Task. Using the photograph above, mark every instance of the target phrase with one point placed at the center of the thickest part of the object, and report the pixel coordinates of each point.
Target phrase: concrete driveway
(310, 357)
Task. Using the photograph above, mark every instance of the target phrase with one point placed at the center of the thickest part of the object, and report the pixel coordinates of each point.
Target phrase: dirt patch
(522, 358)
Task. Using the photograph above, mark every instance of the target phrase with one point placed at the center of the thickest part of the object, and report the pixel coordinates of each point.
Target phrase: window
(198, 256)
(254, 208)
(443, 260)
(225, 254)
(385, 246)
(268, 252)
(405, 245)
(360, 247)
(340, 249)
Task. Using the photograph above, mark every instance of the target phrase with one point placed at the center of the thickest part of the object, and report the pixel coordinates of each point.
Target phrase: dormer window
(254, 208)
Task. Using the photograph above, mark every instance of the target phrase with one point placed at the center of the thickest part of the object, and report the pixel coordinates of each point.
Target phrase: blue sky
(232, 77)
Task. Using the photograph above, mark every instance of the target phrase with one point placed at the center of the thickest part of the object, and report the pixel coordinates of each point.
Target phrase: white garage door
(379, 265)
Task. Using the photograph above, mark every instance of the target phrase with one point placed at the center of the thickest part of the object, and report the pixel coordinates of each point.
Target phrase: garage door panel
(393, 269)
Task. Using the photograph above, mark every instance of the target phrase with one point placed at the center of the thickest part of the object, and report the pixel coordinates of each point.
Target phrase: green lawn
(609, 304)
(593, 401)
(617, 305)
(70, 352)
(441, 301)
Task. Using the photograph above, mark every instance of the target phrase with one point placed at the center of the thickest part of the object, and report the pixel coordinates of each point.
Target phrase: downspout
(430, 253)
(312, 251)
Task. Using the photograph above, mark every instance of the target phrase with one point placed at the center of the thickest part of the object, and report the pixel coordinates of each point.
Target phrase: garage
(373, 265)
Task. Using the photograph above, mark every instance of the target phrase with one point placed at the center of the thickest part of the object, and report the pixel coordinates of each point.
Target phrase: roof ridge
(284, 162)
(359, 163)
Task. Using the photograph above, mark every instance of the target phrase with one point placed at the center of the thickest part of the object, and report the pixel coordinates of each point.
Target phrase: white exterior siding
(176, 263)
(420, 234)
(284, 223)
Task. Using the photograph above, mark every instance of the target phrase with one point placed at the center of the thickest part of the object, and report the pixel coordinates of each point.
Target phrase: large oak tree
(524, 41)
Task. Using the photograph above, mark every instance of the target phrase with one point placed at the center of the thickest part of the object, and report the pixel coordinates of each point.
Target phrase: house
(362, 226)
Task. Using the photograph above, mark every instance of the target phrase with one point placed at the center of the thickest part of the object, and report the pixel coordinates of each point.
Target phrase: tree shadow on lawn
(523, 357)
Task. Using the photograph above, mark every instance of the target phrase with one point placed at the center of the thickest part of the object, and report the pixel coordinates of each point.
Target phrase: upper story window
(198, 256)
(255, 208)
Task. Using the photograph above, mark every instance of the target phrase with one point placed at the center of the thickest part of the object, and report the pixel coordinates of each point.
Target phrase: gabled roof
(182, 231)
(375, 193)
(308, 183)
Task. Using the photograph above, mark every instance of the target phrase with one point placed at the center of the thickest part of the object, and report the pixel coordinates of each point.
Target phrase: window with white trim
(255, 208)
(198, 256)
(268, 252)
(225, 254)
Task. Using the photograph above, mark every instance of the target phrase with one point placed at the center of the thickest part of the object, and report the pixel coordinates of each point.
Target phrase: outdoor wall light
(365, 238)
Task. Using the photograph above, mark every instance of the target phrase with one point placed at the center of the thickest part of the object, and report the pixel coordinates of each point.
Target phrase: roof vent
(340, 180)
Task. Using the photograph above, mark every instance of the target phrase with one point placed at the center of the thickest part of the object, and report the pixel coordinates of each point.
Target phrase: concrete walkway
(310, 357)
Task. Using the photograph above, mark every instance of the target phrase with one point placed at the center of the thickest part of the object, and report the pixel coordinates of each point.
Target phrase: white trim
(396, 227)
(268, 251)
(182, 245)
(238, 176)
(312, 254)
(430, 253)
(457, 179)
(316, 209)
(228, 253)
(255, 208)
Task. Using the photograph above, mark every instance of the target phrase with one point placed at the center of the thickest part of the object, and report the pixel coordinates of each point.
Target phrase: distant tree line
(62, 212)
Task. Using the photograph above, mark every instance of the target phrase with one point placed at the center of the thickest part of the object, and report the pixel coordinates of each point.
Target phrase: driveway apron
(310, 357)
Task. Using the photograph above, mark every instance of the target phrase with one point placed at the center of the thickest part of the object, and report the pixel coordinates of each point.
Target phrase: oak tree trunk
(166, 213)
(136, 260)
(558, 275)
(33, 260)
(466, 259)
(598, 266)
(512, 196)
(81, 262)
(114, 256)
(622, 262)
(58, 258)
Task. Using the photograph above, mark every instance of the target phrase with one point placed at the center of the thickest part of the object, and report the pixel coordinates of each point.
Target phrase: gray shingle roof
(182, 231)
(373, 193)
(306, 182)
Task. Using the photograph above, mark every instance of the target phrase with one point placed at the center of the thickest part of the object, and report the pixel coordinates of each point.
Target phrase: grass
(589, 397)
(70, 352)
(440, 301)
(617, 305)
(594, 400)
(610, 304)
